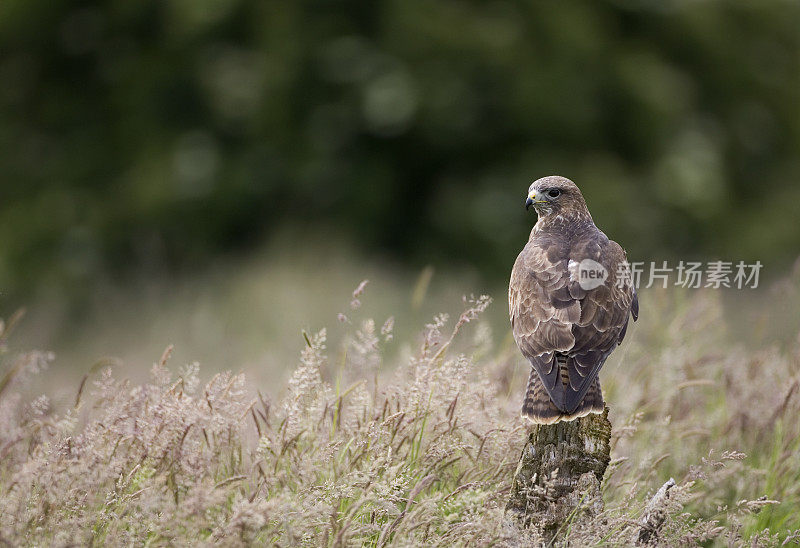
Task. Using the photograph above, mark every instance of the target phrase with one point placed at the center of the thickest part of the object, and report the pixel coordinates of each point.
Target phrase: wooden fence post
(559, 473)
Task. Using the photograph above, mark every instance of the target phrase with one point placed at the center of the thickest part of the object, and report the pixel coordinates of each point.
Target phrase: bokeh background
(220, 174)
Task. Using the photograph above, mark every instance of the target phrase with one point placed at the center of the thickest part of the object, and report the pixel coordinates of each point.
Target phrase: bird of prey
(569, 301)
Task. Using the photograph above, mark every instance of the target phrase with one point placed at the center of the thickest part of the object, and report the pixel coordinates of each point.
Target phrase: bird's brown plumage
(564, 326)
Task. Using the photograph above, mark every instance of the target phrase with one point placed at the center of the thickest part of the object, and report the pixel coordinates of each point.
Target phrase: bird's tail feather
(539, 409)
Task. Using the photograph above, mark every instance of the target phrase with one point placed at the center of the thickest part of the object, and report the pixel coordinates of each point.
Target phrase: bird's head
(556, 195)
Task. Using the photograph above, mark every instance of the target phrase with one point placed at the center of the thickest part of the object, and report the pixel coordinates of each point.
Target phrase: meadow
(408, 437)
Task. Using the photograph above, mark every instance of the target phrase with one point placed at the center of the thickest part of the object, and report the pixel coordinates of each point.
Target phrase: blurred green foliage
(140, 136)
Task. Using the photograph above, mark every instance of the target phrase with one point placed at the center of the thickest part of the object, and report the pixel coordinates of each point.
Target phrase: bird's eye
(554, 193)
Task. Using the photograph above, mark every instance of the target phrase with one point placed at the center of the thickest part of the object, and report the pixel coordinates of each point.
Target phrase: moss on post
(559, 473)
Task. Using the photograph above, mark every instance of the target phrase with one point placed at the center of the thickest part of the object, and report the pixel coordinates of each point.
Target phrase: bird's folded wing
(542, 313)
(603, 322)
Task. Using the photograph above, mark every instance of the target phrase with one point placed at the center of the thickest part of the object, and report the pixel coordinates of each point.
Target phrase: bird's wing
(543, 311)
(604, 319)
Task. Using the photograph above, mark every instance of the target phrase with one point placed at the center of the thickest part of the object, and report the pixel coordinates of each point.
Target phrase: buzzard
(569, 301)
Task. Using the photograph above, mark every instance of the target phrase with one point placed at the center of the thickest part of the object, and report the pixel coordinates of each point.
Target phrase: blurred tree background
(148, 136)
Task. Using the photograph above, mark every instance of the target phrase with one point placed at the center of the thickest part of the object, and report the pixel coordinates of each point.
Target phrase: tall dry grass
(416, 449)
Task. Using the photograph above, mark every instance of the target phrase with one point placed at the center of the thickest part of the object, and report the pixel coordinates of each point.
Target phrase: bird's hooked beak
(533, 199)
